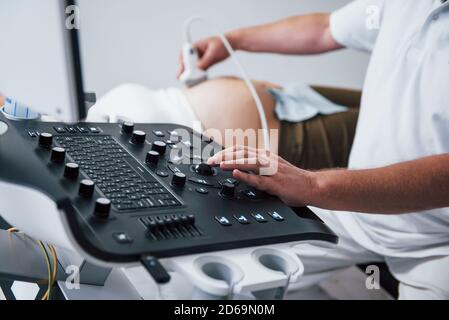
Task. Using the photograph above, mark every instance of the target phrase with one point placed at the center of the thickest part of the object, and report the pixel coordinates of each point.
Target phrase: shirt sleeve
(358, 24)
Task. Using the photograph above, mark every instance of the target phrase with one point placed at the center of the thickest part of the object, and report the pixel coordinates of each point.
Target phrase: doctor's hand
(210, 50)
(292, 185)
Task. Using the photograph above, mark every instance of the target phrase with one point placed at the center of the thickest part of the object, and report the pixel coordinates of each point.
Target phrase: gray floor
(346, 285)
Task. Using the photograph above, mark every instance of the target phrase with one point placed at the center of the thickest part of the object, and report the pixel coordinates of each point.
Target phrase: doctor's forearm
(306, 34)
(407, 187)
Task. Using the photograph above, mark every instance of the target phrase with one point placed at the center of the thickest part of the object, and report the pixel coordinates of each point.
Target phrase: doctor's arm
(406, 187)
(307, 34)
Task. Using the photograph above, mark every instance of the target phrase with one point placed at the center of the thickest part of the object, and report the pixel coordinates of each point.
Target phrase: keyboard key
(276, 216)
(259, 217)
(242, 219)
(60, 130)
(159, 134)
(223, 221)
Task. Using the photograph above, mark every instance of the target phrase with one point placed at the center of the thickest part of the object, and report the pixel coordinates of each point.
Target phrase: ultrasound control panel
(130, 190)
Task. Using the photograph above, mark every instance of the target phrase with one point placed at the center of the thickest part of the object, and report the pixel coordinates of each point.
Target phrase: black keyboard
(105, 162)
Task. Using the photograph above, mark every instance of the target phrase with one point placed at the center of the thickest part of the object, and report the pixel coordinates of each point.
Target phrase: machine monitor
(40, 58)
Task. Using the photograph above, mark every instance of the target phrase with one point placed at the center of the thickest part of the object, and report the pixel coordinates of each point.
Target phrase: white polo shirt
(404, 113)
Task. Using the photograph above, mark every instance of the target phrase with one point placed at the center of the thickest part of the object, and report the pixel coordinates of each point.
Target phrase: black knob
(204, 169)
(168, 222)
(176, 220)
(138, 137)
(191, 219)
(71, 171)
(227, 190)
(153, 226)
(45, 140)
(127, 127)
(153, 157)
(184, 220)
(86, 188)
(179, 180)
(58, 155)
(160, 147)
(102, 208)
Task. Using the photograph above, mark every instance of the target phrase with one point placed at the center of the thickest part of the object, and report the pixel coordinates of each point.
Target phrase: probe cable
(232, 54)
(51, 268)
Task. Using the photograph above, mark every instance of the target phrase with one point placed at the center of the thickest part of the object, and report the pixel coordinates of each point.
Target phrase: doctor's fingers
(237, 152)
(232, 155)
(262, 183)
(246, 164)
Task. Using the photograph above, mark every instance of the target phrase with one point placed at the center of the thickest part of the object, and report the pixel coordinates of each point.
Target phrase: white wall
(139, 41)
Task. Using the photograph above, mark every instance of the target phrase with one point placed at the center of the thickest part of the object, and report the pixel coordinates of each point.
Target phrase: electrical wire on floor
(52, 268)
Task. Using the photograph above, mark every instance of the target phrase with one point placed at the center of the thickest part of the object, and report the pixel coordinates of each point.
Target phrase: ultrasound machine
(116, 199)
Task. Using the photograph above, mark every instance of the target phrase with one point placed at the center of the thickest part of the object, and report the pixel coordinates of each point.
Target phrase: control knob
(45, 140)
(153, 158)
(138, 137)
(179, 180)
(58, 155)
(127, 127)
(86, 188)
(160, 147)
(204, 169)
(227, 190)
(71, 171)
(102, 208)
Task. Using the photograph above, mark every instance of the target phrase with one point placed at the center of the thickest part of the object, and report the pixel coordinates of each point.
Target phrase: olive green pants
(324, 141)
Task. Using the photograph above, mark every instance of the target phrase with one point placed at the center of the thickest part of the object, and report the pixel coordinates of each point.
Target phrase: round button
(45, 140)
(202, 191)
(162, 173)
(102, 208)
(233, 181)
(86, 188)
(228, 190)
(174, 136)
(204, 169)
(152, 158)
(71, 171)
(160, 147)
(138, 137)
(58, 155)
(179, 180)
(252, 194)
(127, 127)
